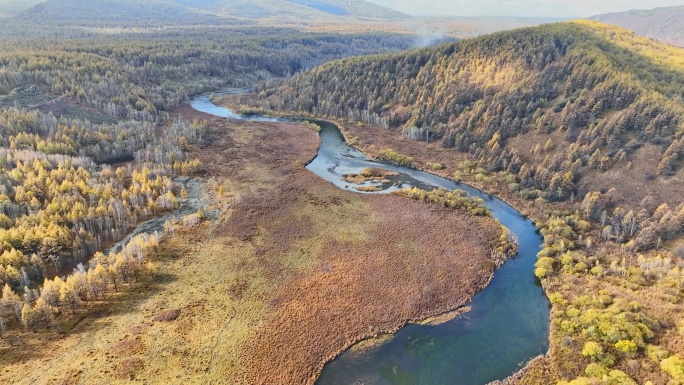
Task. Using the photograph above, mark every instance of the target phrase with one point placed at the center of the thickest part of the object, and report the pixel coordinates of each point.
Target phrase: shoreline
(368, 337)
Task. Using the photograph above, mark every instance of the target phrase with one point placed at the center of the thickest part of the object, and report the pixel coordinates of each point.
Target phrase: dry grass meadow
(292, 272)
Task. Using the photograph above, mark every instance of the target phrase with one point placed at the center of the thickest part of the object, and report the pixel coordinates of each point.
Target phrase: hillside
(9, 8)
(663, 24)
(139, 12)
(593, 87)
(295, 9)
(114, 12)
(578, 124)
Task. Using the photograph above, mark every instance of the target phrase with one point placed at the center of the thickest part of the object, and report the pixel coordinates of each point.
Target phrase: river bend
(508, 321)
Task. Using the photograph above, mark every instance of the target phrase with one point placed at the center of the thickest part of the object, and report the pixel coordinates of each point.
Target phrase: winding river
(508, 321)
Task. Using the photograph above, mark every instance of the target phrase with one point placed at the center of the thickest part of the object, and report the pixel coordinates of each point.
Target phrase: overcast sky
(531, 8)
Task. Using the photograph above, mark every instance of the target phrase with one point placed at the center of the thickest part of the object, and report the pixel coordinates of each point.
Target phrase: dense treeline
(36, 308)
(617, 313)
(138, 76)
(603, 100)
(57, 205)
(476, 94)
(585, 98)
(88, 148)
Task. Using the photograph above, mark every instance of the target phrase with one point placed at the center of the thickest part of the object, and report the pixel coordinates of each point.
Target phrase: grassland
(292, 272)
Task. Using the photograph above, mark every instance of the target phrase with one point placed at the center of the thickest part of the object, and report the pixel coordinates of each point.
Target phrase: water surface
(508, 323)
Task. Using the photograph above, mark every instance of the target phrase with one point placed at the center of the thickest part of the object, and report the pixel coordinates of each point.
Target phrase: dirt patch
(29, 96)
(35, 97)
(127, 368)
(128, 346)
(167, 315)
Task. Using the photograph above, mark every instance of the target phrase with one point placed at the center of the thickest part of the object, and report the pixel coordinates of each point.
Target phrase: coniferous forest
(581, 124)
(144, 240)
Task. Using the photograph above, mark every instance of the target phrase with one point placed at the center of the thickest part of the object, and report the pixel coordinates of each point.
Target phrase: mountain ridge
(203, 11)
(593, 86)
(661, 23)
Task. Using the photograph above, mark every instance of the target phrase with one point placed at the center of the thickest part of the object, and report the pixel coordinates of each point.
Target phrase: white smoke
(427, 37)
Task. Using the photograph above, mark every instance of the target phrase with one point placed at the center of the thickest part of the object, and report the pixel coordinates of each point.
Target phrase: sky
(520, 8)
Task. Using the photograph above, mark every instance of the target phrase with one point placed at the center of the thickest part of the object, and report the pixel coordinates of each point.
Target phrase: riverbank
(634, 277)
(528, 307)
(341, 266)
(371, 140)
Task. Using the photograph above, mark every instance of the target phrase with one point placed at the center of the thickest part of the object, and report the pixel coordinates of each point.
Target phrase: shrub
(596, 370)
(597, 271)
(544, 267)
(674, 366)
(592, 350)
(656, 353)
(167, 315)
(394, 157)
(627, 347)
(581, 267)
(452, 199)
(618, 377)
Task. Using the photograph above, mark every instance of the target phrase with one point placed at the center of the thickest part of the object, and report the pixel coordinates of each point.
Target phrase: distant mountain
(307, 9)
(9, 8)
(93, 12)
(663, 24)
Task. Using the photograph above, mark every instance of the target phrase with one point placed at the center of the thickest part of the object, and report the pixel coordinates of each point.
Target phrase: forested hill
(663, 23)
(600, 92)
(298, 9)
(114, 12)
(581, 125)
(145, 12)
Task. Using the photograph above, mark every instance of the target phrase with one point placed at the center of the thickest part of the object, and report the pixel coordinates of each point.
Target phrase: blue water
(508, 321)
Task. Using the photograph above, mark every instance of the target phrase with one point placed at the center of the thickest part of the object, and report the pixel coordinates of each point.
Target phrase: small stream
(508, 323)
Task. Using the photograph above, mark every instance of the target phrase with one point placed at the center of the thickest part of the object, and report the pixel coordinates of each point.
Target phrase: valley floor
(292, 272)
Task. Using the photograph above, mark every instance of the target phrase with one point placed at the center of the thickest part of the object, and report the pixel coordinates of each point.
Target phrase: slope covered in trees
(580, 83)
(9, 8)
(141, 75)
(298, 9)
(114, 12)
(662, 23)
(140, 13)
(578, 124)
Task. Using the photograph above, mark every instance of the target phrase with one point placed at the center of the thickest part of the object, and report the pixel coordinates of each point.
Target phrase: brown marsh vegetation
(291, 273)
(198, 314)
(339, 266)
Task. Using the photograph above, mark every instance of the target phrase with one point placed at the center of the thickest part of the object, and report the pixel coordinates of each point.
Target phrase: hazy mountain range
(89, 11)
(664, 24)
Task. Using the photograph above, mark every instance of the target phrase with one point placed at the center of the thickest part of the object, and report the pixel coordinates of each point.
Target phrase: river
(508, 321)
